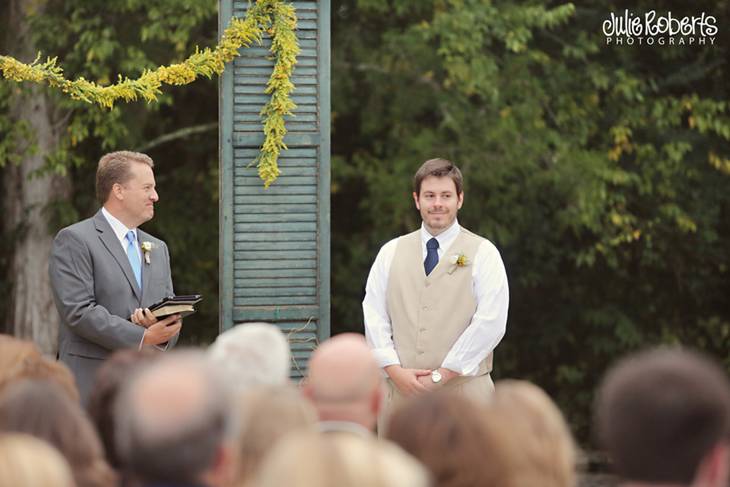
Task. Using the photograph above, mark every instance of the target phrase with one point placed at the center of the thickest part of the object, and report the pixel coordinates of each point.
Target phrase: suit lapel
(110, 241)
(141, 237)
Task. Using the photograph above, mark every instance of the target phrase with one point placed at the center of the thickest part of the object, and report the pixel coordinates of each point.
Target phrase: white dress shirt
(121, 230)
(487, 327)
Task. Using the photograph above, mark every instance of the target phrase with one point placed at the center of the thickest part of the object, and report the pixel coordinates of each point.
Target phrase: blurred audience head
(251, 354)
(21, 359)
(173, 423)
(337, 460)
(267, 414)
(26, 461)
(454, 438)
(664, 418)
(113, 373)
(543, 447)
(344, 381)
(44, 410)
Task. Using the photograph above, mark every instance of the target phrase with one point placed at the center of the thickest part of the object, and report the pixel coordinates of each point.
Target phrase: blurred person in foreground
(110, 378)
(21, 359)
(664, 418)
(436, 299)
(454, 438)
(267, 414)
(174, 426)
(26, 461)
(544, 450)
(250, 355)
(339, 460)
(42, 409)
(345, 385)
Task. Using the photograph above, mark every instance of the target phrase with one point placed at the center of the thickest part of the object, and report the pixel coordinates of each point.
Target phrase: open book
(182, 305)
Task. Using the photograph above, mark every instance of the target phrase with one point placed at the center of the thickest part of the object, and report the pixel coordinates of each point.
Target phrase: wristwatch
(435, 376)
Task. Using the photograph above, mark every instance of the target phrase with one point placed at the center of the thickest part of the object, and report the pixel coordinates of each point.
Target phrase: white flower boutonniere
(146, 250)
(458, 260)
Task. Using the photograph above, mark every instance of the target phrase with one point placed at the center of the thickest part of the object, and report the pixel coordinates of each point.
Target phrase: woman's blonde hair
(26, 461)
(21, 359)
(337, 459)
(545, 450)
(265, 415)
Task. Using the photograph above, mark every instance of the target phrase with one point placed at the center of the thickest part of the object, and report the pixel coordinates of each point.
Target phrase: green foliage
(130, 36)
(96, 38)
(600, 172)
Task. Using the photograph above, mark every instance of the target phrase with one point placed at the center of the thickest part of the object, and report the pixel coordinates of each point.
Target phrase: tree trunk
(31, 311)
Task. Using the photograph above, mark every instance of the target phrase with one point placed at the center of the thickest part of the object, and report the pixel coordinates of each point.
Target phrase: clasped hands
(157, 331)
(412, 382)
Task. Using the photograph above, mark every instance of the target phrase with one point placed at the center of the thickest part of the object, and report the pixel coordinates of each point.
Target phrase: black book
(182, 305)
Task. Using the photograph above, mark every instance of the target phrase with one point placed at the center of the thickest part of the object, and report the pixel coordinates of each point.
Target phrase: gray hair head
(251, 354)
(172, 418)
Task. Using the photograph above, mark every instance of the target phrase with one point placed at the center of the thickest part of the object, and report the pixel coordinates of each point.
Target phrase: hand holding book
(172, 305)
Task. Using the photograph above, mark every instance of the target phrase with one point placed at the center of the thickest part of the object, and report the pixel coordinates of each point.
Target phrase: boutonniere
(146, 250)
(458, 260)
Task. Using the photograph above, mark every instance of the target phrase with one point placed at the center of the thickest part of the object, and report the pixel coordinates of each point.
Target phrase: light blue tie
(133, 256)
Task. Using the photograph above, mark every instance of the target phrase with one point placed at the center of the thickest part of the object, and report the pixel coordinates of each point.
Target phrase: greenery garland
(272, 17)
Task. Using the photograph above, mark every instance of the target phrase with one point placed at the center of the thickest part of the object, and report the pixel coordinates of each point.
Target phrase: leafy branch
(271, 17)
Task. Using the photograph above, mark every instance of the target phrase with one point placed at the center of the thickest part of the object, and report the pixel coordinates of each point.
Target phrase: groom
(105, 272)
(436, 299)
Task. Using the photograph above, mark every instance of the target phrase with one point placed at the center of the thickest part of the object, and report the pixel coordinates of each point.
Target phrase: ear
(306, 390)
(222, 469)
(714, 469)
(117, 191)
(460, 200)
(415, 198)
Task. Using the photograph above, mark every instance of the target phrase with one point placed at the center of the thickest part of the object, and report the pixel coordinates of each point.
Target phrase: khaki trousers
(477, 388)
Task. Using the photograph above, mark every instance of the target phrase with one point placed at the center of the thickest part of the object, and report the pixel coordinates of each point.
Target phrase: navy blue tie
(432, 255)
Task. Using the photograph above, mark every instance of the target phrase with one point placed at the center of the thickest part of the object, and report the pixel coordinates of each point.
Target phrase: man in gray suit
(105, 272)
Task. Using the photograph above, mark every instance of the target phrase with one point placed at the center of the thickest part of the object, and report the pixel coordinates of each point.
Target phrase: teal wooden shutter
(275, 242)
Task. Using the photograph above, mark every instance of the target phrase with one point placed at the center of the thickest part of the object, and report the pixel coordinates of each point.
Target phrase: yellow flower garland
(272, 17)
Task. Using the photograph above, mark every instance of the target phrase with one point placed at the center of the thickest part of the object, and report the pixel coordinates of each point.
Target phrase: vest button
(425, 307)
(428, 283)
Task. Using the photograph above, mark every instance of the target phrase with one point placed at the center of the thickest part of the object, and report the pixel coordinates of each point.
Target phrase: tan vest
(429, 313)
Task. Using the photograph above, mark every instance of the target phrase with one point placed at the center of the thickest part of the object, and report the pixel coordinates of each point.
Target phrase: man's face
(438, 203)
(139, 195)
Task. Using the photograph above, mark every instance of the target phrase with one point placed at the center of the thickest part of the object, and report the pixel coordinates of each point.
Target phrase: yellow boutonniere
(458, 260)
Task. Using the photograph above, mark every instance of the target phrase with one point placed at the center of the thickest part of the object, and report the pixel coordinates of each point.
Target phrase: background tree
(62, 140)
(601, 172)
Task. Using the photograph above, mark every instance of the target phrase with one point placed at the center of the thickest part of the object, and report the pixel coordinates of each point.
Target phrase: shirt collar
(120, 229)
(445, 238)
(343, 427)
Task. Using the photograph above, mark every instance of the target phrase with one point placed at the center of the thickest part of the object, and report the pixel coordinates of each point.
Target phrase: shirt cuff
(386, 357)
(461, 369)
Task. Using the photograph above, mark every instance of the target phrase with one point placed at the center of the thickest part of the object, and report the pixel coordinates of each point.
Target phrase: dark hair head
(439, 168)
(114, 372)
(659, 413)
(115, 168)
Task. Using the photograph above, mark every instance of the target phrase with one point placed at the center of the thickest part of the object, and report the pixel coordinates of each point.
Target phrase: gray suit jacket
(95, 293)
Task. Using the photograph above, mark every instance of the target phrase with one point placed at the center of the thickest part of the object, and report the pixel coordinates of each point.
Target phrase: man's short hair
(114, 168)
(251, 354)
(172, 418)
(659, 413)
(439, 168)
